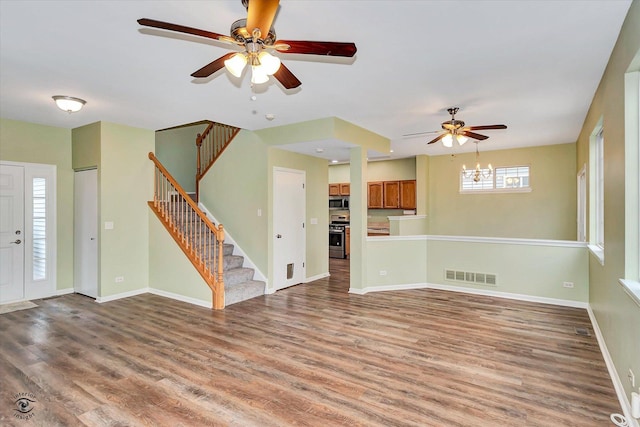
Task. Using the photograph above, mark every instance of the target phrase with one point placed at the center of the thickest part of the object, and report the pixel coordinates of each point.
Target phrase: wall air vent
(486, 279)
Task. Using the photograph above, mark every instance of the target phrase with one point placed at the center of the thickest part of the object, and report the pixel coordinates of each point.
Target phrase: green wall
(86, 146)
(169, 268)
(534, 270)
(383, 170)
(235, 188)
(126, 184)
(617, 315)
(33, 143)
(317, 236)
(176, 150)
(547, 212)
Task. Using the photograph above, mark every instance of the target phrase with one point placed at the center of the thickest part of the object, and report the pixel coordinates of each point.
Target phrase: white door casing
(11, 233)
(86, 233)
(289, 239)
(582, 204)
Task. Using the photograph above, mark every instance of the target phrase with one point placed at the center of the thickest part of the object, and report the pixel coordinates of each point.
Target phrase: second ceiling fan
(455, 129)
(256, 37)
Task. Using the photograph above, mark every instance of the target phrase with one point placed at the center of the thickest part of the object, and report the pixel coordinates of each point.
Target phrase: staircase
(202, 242)
(238, 280)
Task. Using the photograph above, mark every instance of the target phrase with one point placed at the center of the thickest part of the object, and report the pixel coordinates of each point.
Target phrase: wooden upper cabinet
(374, 195)
(391, 194)
(340, 189)
(408, 194)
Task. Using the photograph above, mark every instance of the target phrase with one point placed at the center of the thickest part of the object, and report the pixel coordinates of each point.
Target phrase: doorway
(85, 256)
(289, 239)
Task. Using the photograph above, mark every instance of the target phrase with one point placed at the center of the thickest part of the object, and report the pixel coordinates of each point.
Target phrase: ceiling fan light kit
(456, 128)
(248, 35)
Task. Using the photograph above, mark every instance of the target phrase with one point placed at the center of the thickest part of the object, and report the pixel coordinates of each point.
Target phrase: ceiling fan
(256, 37)
(456, 128)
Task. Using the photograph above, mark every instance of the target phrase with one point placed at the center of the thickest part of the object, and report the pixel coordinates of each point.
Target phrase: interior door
(288, 226)
(11, 233)
(86, 233)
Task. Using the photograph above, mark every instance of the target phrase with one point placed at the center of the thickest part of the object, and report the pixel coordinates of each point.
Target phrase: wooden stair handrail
(220, 138)
(188, 199)
(176, 211)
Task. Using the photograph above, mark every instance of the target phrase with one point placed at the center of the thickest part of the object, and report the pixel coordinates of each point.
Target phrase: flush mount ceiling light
(69, 103)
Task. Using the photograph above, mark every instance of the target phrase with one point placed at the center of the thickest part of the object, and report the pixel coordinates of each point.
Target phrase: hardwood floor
(310, 355)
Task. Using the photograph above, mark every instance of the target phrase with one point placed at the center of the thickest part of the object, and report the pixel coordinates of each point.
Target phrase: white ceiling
(532, 65)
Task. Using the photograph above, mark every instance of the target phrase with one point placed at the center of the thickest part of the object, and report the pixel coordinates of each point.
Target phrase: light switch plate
(108, 225)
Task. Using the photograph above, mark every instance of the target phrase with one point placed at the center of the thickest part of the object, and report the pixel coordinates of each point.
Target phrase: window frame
(596, 250)
(493, 188)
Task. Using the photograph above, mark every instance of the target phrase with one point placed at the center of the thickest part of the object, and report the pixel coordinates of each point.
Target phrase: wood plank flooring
(310, 355)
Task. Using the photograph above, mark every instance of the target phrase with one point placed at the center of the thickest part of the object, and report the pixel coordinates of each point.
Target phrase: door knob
(17, 242)
(279, 236)
(18, 232)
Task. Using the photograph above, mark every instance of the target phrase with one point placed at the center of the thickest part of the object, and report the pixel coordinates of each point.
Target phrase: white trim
(632, 288)
(316, 277)
(485, 292)
(597, 252)
(406, 217)
(477, 239)
(65, 291)
(617, 384)
(498, 190)
(128, 294)
(237, 250)
(396, 238)
(178, 297)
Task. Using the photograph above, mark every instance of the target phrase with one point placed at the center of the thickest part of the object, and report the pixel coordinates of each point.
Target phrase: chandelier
(478, 173)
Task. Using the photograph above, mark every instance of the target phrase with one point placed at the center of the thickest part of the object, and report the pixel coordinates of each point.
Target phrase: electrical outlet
(119, 279)
(632, 378)
(383, 272)
(567, 284)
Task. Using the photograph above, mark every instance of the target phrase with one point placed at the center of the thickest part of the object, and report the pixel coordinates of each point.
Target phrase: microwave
(339, 203)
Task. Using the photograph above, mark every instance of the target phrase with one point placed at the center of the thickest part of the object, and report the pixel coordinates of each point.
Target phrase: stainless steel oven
(336, 241)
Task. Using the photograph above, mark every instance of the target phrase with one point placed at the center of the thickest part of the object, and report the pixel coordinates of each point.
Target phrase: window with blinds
(501, 179)
(39, 217)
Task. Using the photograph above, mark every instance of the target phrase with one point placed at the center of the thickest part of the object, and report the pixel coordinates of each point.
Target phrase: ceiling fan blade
(286, 78)
(474, 135)
(212, 67)
(260, 15)
(438, 138)
(316, 48)
(182, 29)
(411, 135)
(486, 127)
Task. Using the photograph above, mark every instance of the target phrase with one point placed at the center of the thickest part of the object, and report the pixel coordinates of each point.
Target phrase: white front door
(288, 227)
(85, 277)
(11, 233)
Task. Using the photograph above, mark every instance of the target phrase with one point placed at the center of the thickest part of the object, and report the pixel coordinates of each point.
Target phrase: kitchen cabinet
(347, 241)
(408, 194)
(391, 194)
(375, 193)
(339, 189)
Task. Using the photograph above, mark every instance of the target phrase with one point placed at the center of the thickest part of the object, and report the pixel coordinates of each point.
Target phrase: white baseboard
(64, 291)
(617, 384)
(485, 292)
(316, 277)
(122, 295)
(178, 297)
